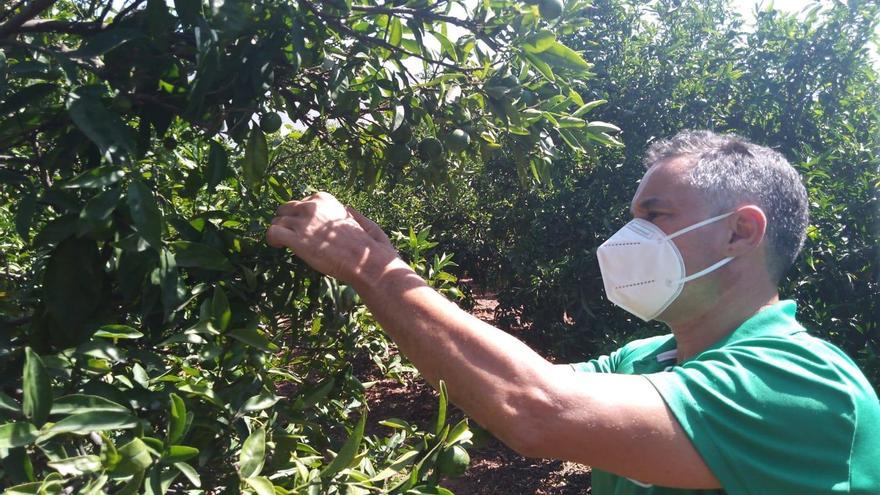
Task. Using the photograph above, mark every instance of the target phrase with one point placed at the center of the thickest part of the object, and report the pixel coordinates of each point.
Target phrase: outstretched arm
(618, 423)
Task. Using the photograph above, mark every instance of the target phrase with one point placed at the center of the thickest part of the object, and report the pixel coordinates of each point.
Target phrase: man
(738, 398)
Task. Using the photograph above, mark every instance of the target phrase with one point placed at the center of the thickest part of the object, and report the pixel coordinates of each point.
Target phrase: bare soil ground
(494, 468)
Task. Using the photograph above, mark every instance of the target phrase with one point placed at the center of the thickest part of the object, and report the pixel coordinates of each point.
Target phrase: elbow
(528, 446)
(529, 434)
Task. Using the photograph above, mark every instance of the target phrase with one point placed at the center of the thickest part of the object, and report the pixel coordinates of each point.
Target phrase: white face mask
(642, 269)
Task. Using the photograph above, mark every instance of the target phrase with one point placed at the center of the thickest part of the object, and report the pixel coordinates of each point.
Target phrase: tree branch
(56, 26)
(26, 14)
(417, 13)
(376, 41)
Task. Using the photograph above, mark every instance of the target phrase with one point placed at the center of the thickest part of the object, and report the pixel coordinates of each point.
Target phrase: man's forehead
(664, 185)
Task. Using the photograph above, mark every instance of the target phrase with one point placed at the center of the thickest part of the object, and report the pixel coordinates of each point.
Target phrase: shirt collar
(775, 320)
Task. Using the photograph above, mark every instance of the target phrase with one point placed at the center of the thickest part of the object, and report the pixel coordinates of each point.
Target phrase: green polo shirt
(771, 410)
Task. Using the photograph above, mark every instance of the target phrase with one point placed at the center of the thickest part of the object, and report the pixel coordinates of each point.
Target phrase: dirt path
(494, 468)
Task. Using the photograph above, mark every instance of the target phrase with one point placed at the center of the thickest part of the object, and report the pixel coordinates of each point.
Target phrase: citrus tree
(149, 340)
(805, 84)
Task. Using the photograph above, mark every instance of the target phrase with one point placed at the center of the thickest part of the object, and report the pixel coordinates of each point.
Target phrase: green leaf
(80, 403)
(599, 126)
(37, 389)
(440, 421)
(118, 332)
(77, 466)
(73, 282)
(320, 391)
(145, 213)
(540, 66)
(167, 278)
(191, 474)
(253, 454)
(459, 433)
(568, 122)
(571, 138)
(176, 419)
(221, 315)
(101, 206)
(198, 255)
(17, 435)
(399, 117)
(25, 97)
(218, 165)
(105, 128)
(135, 458)
(105, 41)
(560, 55)
(539, 42)
(179, 453)
(24, 215)
(261, 485)
(348, 451)
(7, 403)
(587, 107)
(252, 337)
(256, 158)
(395, 32)
(133, 485)
(87, 422)
(396, 466)
(264, 400)
(24, 489)
(447, 46)
(95, 178)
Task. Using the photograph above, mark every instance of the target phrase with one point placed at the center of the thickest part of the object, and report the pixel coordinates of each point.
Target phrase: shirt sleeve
(607, 363)
(766, 419)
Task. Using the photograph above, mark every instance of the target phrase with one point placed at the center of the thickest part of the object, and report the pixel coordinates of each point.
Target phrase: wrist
(383, 276)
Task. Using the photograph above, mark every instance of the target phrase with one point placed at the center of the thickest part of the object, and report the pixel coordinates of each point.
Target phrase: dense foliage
(806, 86)
(150, 341)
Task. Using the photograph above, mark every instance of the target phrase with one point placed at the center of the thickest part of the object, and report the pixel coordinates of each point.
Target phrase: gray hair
(730, 170)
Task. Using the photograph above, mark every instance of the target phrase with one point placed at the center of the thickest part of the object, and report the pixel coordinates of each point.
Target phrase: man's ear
(748, 226)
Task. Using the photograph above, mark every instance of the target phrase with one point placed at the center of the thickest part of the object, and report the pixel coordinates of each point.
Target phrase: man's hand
(334, 239)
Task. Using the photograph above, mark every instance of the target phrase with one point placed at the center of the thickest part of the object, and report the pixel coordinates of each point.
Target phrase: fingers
(279, 236)
(288, 209)
(368, 225)
(293, 207)
(286, 221)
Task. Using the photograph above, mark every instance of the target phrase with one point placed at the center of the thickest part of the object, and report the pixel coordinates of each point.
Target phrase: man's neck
(730, 310)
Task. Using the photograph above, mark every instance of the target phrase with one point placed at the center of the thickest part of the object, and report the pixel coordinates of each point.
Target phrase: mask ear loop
(707, 270)
(698, 225)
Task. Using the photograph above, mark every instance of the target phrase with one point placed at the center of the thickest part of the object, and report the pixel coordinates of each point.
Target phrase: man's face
(665, 199)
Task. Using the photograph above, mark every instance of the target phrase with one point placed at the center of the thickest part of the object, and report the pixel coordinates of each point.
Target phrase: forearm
(496, 379)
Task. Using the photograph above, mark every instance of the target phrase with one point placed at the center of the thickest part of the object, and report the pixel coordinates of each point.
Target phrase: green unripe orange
(402, 134)
(270, 122)
(458, 140)
(430, 149)
(398, 154)
(454, 461)
(550, 9)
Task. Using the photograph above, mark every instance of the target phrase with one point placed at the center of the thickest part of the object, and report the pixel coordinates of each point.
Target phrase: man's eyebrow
(647, 204)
